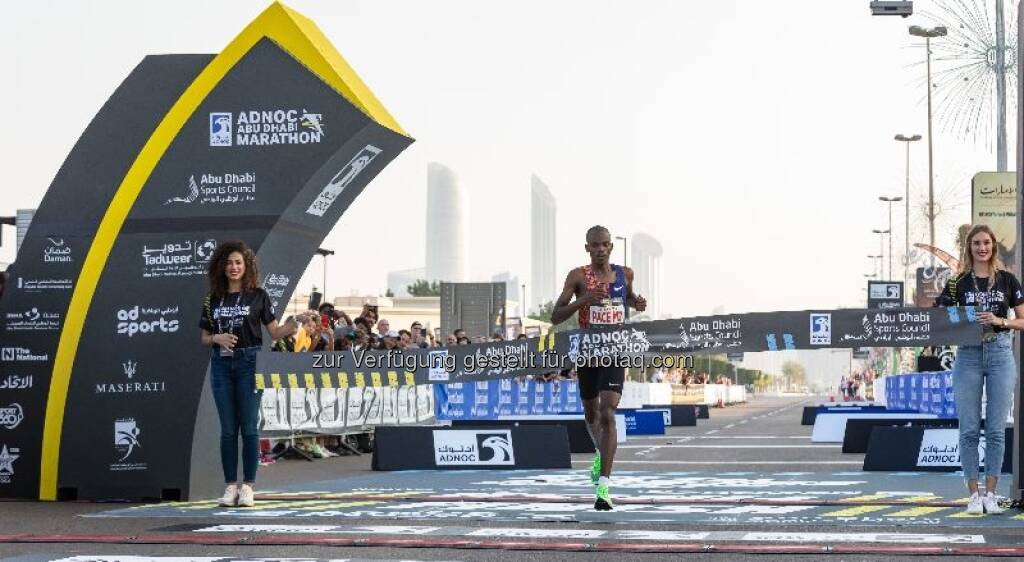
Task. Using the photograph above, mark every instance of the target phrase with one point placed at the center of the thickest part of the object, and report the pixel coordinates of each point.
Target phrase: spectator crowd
(329, 329)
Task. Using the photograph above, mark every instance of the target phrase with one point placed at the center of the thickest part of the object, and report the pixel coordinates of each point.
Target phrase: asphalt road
(734, 482)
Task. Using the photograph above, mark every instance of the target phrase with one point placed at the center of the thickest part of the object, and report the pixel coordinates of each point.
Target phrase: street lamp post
(324, 252)
(928, 34)
(881, 250)
(889, 201)
(876, 264)
(906, 206)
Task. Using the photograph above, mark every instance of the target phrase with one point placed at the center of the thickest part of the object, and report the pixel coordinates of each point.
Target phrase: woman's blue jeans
(989, 366)
(233, 380)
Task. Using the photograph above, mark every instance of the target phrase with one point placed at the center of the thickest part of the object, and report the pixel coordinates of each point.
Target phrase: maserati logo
(130, 368)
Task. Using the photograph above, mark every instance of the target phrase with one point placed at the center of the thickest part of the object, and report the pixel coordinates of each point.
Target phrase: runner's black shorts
(593, 380)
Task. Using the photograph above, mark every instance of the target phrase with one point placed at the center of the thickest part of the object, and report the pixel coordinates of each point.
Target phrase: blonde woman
(985, 284)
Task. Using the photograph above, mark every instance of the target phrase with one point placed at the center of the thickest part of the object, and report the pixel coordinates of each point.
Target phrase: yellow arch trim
(298, 36)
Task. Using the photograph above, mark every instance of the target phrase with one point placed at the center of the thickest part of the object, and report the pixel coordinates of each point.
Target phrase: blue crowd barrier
(926, 393)
(487, 400)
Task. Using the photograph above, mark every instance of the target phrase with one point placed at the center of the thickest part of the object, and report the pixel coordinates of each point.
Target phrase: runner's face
(599, 246)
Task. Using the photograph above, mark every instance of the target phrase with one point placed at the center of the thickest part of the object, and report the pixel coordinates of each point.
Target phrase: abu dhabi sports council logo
(217, 189)
(821, 329)
(453, 447)
(126, 437)
(220, 129)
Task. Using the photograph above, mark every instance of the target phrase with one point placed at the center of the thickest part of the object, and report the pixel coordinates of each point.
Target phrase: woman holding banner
(233, 313)
(984, 283)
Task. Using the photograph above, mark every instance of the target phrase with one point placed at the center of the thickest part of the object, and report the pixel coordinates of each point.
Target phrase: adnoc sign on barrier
(634, 345)
(268, 142)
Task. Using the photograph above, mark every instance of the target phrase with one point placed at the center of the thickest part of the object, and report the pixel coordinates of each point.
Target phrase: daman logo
(57, 252)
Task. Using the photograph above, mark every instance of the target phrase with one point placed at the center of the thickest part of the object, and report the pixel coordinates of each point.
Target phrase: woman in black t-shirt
(984, 283)
(232, 319)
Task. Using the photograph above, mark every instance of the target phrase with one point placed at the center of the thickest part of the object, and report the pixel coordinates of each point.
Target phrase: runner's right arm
(574, 285)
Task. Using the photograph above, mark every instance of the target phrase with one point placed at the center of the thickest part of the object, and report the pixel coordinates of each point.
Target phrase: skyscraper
(543, 284)
(446, 230)
(645, 259)
(21, 223)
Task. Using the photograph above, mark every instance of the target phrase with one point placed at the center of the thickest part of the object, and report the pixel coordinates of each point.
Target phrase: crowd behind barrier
(925, 393)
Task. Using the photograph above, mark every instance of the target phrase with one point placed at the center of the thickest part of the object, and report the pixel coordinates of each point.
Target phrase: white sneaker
(245, 496)
(974, 505)
(230, 497)
(991, 504)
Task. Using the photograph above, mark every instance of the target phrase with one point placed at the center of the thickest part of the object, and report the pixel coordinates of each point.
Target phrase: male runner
(603, 294)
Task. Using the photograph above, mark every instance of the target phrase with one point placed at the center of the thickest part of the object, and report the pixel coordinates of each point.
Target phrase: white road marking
(745, 463)
(650, 448)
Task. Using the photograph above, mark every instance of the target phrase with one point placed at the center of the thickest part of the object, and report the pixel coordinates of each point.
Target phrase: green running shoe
(595, 469)
(604, 499)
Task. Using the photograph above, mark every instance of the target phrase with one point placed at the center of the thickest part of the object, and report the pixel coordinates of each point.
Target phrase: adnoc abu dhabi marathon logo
(266, 127)
(616, 342)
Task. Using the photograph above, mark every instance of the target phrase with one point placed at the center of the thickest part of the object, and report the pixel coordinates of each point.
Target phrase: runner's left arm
(633, 300)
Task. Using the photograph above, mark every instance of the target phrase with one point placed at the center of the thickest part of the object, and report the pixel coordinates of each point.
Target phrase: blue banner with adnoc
(488, 400)
(927, 393)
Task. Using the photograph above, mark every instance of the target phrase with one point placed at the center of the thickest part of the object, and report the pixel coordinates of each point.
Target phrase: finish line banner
(631, 345)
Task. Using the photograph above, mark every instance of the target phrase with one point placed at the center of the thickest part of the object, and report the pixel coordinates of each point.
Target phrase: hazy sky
(751, 138)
